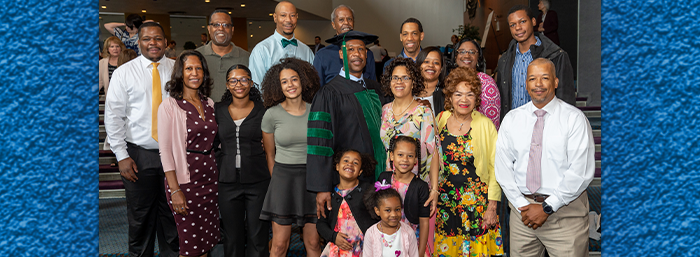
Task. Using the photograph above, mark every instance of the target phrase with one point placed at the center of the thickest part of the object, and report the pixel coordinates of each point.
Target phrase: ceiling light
(144, 10)
(104, 7)
(242, 5)
(229, 12)
(260, 27)
(251, 35)
(270, 14)
(251, 23)
(206, 1)
(202, 26)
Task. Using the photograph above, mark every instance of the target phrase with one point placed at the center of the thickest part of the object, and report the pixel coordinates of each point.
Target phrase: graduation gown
(343, 115)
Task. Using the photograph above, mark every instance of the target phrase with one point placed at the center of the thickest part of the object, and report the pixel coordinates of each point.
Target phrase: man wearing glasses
(281, 44)
(526, 46)
(220, 52)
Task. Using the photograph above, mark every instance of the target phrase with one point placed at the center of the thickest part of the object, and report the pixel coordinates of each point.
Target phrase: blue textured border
(49, 126)
(650, 145)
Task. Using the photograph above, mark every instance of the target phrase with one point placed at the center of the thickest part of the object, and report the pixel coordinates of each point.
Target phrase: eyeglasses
(233, 82)
(397, 79)
(470, 52)
(219, 25)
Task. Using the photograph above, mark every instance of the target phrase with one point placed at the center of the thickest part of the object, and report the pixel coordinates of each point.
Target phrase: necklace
(388, 243)
(199, 108)
(461, 124)
(404, 110)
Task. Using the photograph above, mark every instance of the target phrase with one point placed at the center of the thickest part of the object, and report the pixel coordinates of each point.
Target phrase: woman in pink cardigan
(186, 131)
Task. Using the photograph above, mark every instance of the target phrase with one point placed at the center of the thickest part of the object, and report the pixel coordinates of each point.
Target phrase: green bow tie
(286, 42)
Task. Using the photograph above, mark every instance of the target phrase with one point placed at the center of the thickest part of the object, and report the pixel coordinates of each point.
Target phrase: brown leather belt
(539, 198)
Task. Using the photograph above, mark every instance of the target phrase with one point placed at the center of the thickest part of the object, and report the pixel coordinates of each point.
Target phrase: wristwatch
(547, 208)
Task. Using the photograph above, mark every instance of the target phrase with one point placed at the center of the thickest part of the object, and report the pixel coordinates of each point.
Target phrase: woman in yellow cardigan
(467, 222)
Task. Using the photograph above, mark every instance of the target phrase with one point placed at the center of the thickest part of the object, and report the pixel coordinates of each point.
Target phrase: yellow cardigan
(484, 137)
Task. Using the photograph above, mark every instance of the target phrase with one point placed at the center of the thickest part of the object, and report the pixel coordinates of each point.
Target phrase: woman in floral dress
(467, 223)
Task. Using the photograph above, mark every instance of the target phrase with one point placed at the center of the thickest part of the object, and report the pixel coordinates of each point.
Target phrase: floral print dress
(417, 123)
(462, 203)
(346, 224)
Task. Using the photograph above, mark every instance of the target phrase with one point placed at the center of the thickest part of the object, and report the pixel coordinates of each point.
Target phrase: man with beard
(327, 62)
(411, 35)
(526, 46)
(345, 114)
(220, 52)
(281, 44)
(136, 90)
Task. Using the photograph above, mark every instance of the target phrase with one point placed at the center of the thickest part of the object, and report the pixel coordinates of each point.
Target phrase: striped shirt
(522, 60)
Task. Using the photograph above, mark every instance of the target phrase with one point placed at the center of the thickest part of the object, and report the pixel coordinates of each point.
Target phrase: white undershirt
(395, 245)
(430, 99)
(238, 144)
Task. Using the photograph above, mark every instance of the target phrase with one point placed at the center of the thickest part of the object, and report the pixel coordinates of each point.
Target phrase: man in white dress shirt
(281, 44)
(544, 162)
(129, 116)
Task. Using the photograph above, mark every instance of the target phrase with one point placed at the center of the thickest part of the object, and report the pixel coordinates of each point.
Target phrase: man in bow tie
(281, 44)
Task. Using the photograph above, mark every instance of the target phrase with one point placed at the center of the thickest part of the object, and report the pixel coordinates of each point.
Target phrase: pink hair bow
(381, 186)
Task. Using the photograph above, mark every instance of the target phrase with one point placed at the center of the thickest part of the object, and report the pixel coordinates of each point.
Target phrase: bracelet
(173, 192)
(435, 190)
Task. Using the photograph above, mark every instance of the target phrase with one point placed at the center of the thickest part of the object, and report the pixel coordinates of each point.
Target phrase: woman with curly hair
(470, 55)
(288, 89)
(185, 138)
(467, 222)
(243, 175)
(403, 81)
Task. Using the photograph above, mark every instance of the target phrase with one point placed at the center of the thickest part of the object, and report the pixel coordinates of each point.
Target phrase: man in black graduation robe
(345, 114)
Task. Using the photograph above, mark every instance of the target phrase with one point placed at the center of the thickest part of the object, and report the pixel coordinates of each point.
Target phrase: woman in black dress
(243, 173)
(185, 137)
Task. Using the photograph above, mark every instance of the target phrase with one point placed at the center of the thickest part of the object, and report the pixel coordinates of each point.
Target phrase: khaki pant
(564, 234)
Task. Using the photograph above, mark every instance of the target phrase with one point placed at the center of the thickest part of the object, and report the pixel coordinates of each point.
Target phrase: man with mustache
(281, 44)
(345, 114)
(327, 62)
(526, 46)
(544, 163)
(411, 35)
(220, 52)
(136, 90)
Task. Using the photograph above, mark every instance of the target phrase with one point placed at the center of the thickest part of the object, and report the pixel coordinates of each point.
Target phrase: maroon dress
(199, 230)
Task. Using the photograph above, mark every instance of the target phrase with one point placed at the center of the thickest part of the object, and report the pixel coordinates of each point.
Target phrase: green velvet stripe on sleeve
(319, 150)
(319, 132)
(320, 116)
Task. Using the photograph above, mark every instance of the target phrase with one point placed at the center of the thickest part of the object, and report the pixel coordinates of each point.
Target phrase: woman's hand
(341, 240)
(490, 217)
(432, 200)
(179, 203)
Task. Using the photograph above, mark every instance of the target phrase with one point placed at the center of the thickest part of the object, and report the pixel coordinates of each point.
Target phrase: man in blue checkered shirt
(129, 36)
(526, 46)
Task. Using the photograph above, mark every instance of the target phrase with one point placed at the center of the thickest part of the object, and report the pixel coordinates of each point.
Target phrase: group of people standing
(408, 164)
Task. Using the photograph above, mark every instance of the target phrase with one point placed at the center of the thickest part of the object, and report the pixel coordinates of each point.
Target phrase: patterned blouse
(418, 123)
(490, 99)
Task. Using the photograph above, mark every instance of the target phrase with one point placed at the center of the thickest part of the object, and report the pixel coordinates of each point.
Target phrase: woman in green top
(288, 89)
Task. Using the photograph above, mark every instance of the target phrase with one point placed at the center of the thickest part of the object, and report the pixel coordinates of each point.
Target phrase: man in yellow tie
(131, 124)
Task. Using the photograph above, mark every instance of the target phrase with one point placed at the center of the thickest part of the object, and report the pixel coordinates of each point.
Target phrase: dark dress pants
(147, 208)
(240, 205)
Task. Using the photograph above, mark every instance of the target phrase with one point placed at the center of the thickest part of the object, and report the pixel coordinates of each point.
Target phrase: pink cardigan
(172, 138)
(372, 245)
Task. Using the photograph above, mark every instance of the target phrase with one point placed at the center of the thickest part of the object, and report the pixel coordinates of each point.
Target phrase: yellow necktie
(157, 98)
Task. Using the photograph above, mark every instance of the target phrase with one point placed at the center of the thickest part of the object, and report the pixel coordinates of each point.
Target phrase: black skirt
(287, 201)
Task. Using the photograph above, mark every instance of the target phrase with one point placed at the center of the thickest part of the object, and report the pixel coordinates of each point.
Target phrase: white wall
(384, 17)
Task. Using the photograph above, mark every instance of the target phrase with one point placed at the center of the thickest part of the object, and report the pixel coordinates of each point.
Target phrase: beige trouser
(564, 234)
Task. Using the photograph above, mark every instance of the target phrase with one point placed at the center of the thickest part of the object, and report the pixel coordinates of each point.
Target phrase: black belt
(141, 148)
(200, 152)
(539, 198)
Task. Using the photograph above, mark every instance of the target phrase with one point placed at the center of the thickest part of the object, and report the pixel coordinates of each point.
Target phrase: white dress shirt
(128, 104)
(568, 162)
(269, 52)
